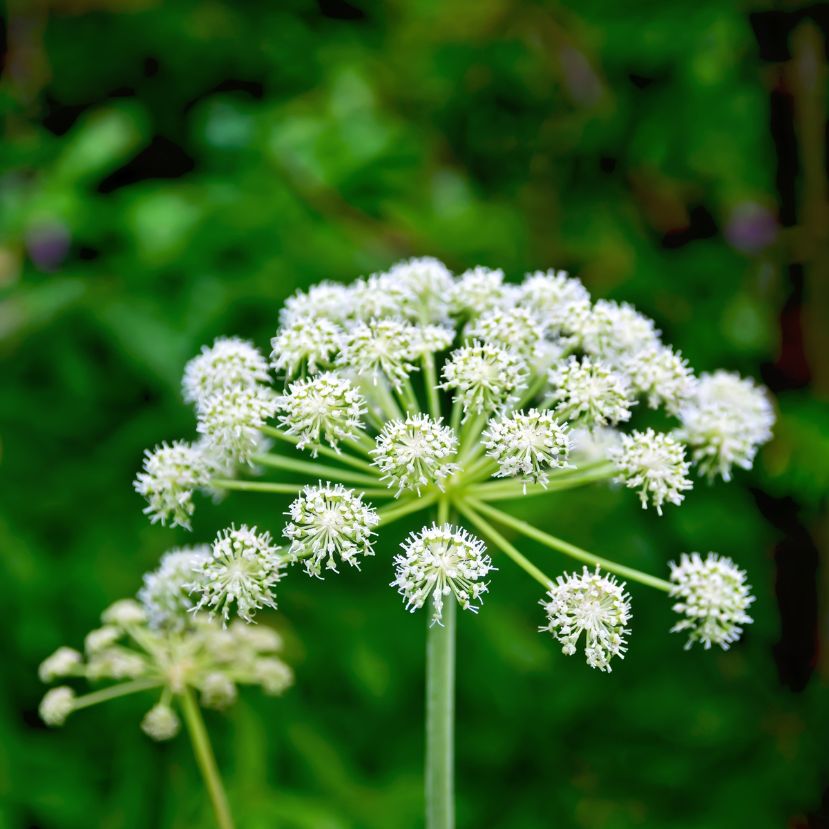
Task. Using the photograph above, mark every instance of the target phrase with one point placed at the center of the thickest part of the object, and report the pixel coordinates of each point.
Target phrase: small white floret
(242, 571)
(309, 344)
(166, 592)
(170, 475)
(725, 422)
(380, 348)
(230, 361)
(160, 723)
(654, 463)
(329, 523)
(231, 420)
(592, 604)
(590, 393)
(713, 596)
(484, 376)
(56, 705)
(415, 452)
(326, 408)
(527, 444)
(439, 561)
(63, 662)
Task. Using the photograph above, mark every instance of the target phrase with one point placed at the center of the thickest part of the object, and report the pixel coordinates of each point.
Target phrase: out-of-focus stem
(205, 760)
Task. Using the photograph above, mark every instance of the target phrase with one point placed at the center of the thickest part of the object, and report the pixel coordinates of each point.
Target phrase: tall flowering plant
(416, 391)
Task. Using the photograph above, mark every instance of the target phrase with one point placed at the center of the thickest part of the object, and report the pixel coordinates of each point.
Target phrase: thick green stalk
(205, 759)
(440, 710)
(569, 549)
(440, 719)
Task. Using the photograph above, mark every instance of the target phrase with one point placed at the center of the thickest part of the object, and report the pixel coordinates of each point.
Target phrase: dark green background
(172, 172)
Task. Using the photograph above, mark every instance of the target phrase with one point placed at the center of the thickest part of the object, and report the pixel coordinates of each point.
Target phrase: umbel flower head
(198, 656)
(228, 362)
(166, 593)
(420, 395)
(592, 604)
(415, 452)
(306, 342)
(439, 561)
(561, 301)
(241, 572)
(170, 475)
(231, 421)
(325, 408)
(380, 348)
(483, 376)
(591, 393)
(712, 596)
(527, 444)
(725, 421)
(329, 522)
(654, 463)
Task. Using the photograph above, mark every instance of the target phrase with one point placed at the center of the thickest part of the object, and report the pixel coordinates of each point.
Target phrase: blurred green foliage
(172, 172)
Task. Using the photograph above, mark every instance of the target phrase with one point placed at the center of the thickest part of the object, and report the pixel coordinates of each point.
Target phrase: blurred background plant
(173, 171)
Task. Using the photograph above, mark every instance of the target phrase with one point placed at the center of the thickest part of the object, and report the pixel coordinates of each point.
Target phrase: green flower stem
(287, 489)
(488, 530)
(431, 382)
(569, 549)
(384, 399)
(408, 397)
(455, 417)
(469, 444)
(393, 512)
(478, 471)
(316, 470)
(115, 691)
(440, 711)
(205, 759)
(343, 457)
(362, 443)
(531, 391)
(257, 486)
(499, 491)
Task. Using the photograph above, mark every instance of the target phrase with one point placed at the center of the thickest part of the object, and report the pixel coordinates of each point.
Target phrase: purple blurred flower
(48, 243)
(751, 227)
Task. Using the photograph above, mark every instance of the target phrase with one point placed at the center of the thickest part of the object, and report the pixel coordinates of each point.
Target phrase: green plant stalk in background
(206, 760)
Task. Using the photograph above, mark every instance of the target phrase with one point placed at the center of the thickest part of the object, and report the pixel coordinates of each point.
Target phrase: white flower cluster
(592, 604)
(439, 561)
(325, 408)
(242, 569)
(198, 654)
(713, 597)
(420, 387)
(227, 363)
(166, 593)
(725, 421)
(654, 463)
(484, 376)
(415, 452)
(527, 444)
(329, 522)
(170, 475)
